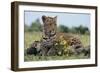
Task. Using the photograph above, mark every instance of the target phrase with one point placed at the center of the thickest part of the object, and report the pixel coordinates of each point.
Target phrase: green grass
(45, 58)
(85, 39)
(31, 37)
(36, 36)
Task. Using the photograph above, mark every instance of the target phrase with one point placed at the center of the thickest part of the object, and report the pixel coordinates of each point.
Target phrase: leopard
(50, 32)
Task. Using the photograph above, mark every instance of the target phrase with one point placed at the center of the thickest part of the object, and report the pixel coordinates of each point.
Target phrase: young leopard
(50, 32)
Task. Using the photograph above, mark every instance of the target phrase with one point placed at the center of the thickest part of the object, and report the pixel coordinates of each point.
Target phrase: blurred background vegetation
(37, 26)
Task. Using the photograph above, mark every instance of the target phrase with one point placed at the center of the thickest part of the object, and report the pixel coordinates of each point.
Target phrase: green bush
(76, 30)
(35, 26)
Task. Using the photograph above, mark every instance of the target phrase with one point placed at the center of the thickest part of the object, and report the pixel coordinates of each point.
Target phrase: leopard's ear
(55, 18)
(43, 18)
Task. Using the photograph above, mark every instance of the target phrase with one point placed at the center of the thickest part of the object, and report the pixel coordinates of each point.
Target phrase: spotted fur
(50, 31)
(50, 26)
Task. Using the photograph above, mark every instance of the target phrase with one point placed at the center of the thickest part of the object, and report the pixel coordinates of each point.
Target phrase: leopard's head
(50, 25)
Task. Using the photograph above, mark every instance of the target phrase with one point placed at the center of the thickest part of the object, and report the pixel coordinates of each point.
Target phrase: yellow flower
(64, 42)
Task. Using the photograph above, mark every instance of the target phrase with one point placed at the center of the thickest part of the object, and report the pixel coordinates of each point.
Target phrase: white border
(23, 64)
